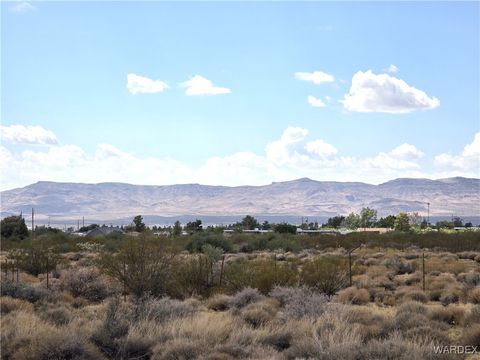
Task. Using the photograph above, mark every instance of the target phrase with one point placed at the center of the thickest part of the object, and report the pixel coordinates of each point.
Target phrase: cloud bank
(292, 155)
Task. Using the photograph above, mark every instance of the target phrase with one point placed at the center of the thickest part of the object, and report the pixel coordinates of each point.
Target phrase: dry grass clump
(416, 295)
(27, 291)
(163, 309)
(259, 313)
(471, 335)
(58, 315)
(354, 296)
(399, 265)
(473, 316)
(219, 302)
(245, 297)
(9, 304)
(451, 314)
(86, 282)
(178, 349)
(300, 302)
(25, 336)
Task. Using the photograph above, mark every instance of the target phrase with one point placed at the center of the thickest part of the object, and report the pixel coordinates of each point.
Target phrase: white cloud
(280, 151)
(317, 77)
(137, 84)
(320, 148)
(467, 162)
(407, 151)
(22, 6)
(312, 100)
(198, 85)
(384, 93)
(289, 157)
(27, 134)
(392, 68)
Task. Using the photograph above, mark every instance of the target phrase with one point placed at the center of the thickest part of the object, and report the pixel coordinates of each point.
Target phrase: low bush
(178, 349)
(199, 240)
(9, 304)
(161, 310)
(219, 302)
(245, 297)
(87, 283)
(416, 295)
(300, 302)
(451, 314)
(354, 296)
(26, 291)
(474, 295)
(259, 313)
(327, 275)
(58, 315)
(471, 335)
(278, 340)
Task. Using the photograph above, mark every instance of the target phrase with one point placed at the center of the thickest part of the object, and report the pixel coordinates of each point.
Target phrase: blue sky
(218, 92)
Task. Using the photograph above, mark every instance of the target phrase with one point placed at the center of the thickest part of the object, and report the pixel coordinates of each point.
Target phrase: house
(374, 230)
(104, 230)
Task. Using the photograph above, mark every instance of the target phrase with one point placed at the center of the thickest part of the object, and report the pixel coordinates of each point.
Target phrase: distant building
(374, 230)
(104, 230)
(318, 231)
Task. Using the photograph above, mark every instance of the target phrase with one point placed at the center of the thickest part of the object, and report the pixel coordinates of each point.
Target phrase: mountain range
(302, 197)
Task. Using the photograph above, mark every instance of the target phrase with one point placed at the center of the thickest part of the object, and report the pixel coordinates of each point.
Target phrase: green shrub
(199, 240)
(25, 291)
(325, 274)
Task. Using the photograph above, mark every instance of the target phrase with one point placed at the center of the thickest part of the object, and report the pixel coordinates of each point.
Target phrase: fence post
(6, 269)
(221, 269)
(124, 280)
(350, 267)
(13, 270)
(48, 286)
(423, 270)
(17, 271)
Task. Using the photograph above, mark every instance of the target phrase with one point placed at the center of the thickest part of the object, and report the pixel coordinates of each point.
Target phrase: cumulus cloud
(22, 6)
(312, 100)
(370, 92)
(198, 85)
(407, 151)
(27, 134)
(137, 84)
(392, 68)
(316, 77)
(280, 151)
(467, 162)
(320, 148)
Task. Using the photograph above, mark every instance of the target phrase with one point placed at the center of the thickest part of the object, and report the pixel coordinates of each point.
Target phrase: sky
(236, 93)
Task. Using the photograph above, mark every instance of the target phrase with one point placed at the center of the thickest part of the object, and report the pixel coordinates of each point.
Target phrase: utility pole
(33, 224)
(428, 213)
(83, 221)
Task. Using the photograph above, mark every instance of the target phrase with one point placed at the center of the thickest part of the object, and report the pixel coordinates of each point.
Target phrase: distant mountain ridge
(301, 197)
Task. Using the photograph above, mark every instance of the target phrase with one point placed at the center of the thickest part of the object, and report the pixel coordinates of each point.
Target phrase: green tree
(335, 222)
(402, 222)
(352, 221)
(14, 227)
(444, 224)
(249, 223)
(457, 222)
(368, 217)
(177, 228)
(387, 222)
(193, 226)
(139, 225)
(285, 228)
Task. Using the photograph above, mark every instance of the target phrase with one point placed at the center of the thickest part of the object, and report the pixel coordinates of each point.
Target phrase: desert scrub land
(208, 296)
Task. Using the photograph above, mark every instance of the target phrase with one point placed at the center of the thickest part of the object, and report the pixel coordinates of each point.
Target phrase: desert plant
(142, 265)
(325, 274)
(354, 296)
(245, 297)
(87, 283)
